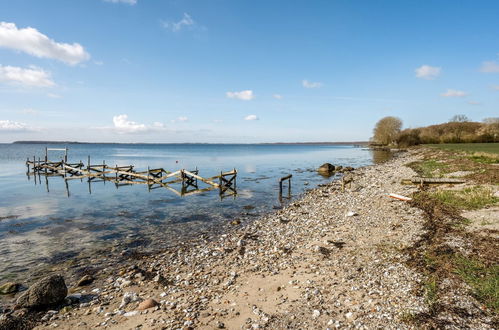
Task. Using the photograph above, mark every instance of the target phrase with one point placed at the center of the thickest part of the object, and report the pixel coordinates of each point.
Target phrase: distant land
(269, 143)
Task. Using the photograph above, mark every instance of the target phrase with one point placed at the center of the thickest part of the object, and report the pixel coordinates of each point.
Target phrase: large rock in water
(326, 168)
(48, 291)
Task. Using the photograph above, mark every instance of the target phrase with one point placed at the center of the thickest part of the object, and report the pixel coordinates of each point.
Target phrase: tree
(458, 125)
(386, 130)
(459, 119)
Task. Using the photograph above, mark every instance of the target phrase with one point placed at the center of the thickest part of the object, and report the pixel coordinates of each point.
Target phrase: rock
(47, 291)
(129, 297)
(148, 303)
(326, 168)
(496, 194)
(351, 214)
(85, 280)
(316, 313)
(9, 287)
(235, 222)
(132, 313)
(348, 169)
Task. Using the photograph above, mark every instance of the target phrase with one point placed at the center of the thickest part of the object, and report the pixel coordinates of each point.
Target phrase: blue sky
(241, 71)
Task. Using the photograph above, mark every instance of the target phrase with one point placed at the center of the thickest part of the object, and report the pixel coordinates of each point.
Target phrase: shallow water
(43, 222)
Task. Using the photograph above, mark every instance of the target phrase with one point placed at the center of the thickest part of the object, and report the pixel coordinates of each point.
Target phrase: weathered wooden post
(287, 177)
(104, 171)
(66, 155)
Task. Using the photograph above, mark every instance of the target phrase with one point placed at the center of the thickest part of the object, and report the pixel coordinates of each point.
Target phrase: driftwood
(422, 181)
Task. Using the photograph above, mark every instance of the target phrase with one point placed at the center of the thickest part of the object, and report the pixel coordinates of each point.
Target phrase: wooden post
(66, 155)
(104, 171)
(46, 155)
(148, 173)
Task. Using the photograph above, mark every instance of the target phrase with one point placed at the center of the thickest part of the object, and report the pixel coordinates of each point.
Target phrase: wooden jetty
(128, 175)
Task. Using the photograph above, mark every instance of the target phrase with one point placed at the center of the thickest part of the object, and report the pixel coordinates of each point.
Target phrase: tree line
(459, 129)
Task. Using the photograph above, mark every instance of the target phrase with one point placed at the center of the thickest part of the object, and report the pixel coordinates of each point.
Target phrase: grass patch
(431, 293)
(484, 158)
(484, 280)
(429, 168)
(490, 148)
(471, 198)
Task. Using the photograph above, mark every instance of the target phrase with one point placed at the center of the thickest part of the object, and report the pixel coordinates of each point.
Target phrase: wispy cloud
(29, 111)
(32, 42)
(54, 96)
(490, 67)
(129, 2)
(251, 117)
(246, 95)
(277, 96)
(186, 21)
(474, 103)
(428, 72)
(454, 93)
(311, 84)
(13, 126)
(181, 119)
(495, 87)
(31, 77)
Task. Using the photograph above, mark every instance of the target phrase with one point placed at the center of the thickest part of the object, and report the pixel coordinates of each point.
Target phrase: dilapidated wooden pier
(154, 178)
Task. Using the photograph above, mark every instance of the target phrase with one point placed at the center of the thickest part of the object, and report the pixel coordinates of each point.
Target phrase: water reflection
(58, 219)
(381, 156)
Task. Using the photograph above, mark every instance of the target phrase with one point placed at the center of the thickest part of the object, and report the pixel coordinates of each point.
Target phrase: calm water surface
(42, 221)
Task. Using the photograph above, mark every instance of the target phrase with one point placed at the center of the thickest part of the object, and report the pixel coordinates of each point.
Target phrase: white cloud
(490, 67)
(12, 126)
(33, 76)
(251, 117)
(453, 93)
(30, 41)
(277, 96)
(474, 103)
(177, 26)
(310, 84)
(242, 95)
(130, 2)
(495, 87)
(124, 126)
(428, 72)
(54, 96)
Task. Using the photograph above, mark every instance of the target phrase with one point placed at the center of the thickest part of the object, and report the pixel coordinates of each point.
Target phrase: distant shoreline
(159, 143)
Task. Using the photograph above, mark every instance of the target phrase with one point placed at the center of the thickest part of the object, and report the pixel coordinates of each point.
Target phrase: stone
(148, 303)
(47, 291)
(9, 287)
(496, 194)
(351, 214)
(326, 168)
(85, 280)
(316, 313)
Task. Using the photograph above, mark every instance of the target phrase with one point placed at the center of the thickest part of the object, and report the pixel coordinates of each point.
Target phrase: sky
(173, 71)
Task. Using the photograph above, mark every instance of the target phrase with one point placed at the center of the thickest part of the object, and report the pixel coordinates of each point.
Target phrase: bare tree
(386, 130)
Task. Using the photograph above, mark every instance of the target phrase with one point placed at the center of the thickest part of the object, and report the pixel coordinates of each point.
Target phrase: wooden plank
(202, 179)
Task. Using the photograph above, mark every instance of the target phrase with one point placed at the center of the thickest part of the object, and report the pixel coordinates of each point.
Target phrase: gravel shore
(328, 260)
